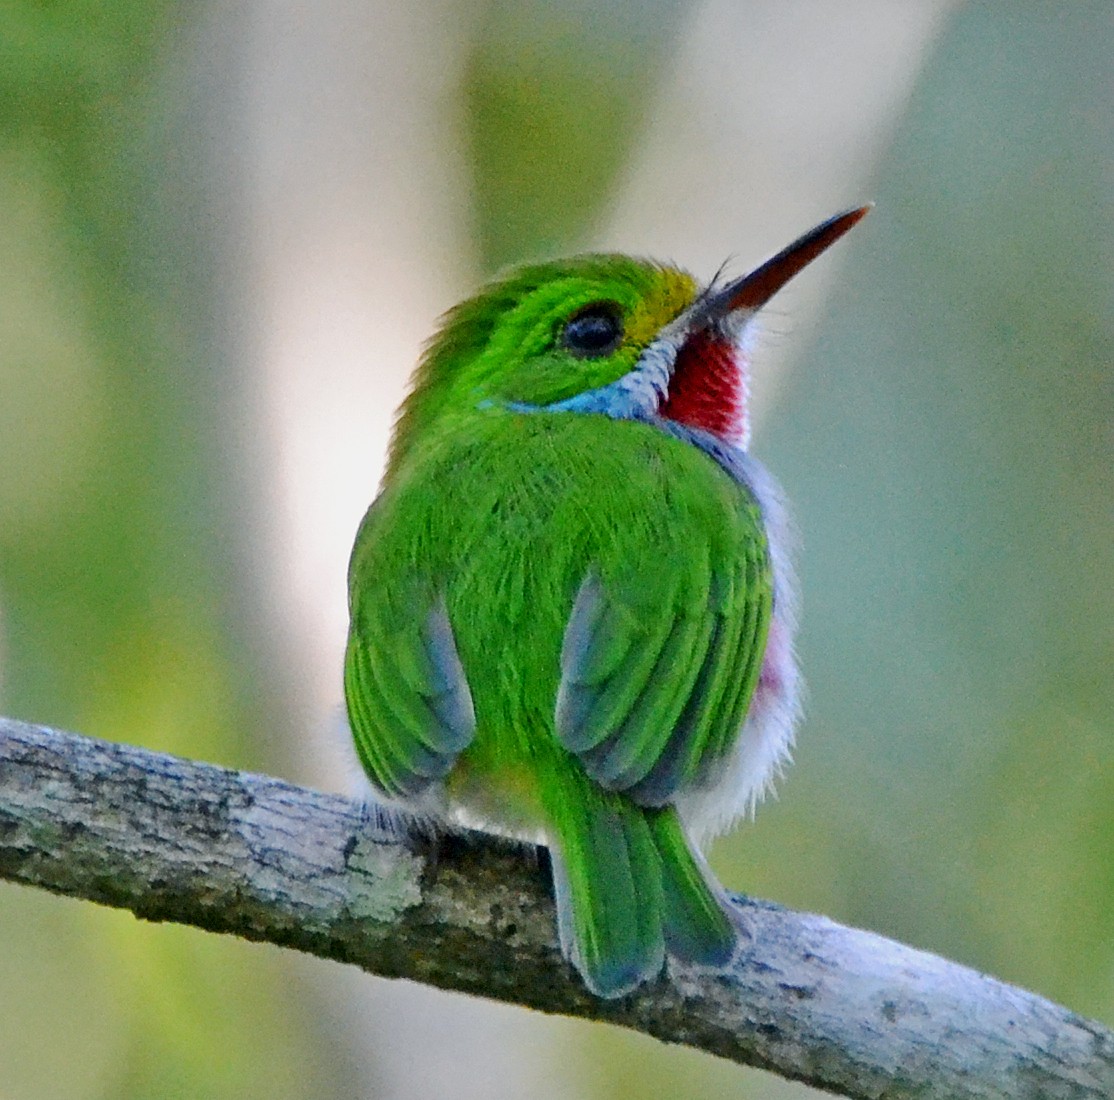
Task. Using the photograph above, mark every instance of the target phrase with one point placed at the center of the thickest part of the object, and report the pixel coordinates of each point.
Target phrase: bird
(572, 605)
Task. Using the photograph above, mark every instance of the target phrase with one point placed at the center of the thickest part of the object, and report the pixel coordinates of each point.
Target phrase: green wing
(659, 663)
(408, 702)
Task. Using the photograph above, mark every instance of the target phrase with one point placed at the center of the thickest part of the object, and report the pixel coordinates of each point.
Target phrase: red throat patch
(707, 388)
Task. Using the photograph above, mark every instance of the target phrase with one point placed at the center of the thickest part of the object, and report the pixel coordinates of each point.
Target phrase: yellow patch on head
(675, 291)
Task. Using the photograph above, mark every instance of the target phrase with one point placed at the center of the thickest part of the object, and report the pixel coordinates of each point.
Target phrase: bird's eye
(595, 331)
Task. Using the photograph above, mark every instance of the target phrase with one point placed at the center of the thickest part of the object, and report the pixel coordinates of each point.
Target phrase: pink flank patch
(776, 673)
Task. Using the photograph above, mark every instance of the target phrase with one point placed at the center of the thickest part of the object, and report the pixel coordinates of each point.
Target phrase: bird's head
(605, 334)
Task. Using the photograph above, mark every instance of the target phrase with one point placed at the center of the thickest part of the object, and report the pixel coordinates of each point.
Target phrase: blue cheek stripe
(635, 396)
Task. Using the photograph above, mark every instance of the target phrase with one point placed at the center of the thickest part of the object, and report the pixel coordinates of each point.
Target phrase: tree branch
(837, 1008)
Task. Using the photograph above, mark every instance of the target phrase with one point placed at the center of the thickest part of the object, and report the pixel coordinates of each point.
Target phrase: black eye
(596, 330)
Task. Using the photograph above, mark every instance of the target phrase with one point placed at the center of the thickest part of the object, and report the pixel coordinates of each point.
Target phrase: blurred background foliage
(225, 229)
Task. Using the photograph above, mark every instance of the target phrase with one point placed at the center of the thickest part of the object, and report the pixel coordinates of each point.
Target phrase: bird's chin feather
(708, 388)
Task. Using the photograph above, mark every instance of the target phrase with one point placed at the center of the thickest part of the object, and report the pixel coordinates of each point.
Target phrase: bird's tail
(629, 888)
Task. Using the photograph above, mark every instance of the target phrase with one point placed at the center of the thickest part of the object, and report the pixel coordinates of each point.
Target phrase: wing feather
(697, 723)
(607, 659)
(659, 663)
(751, 647)
(626, 756)
(409, 705)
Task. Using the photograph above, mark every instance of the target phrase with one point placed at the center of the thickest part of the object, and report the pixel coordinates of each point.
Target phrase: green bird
(572, 610)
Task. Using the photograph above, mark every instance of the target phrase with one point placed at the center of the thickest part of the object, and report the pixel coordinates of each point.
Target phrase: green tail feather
(607, 880)
(698, 928)
(628, 886)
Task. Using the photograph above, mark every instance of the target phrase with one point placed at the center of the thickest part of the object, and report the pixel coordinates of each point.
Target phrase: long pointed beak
(753, 291)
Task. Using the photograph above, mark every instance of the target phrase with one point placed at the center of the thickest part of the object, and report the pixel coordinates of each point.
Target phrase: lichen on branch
(234, 852)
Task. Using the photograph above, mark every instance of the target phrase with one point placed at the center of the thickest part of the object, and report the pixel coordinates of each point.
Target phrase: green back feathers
(608, 591)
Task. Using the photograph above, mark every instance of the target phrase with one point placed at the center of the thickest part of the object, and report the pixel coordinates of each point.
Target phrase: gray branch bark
(837, 1008)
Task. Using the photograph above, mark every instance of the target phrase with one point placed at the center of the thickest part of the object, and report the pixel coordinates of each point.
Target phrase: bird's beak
(753, 291)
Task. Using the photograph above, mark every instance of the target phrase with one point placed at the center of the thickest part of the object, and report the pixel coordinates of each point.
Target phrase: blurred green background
(225, 229)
